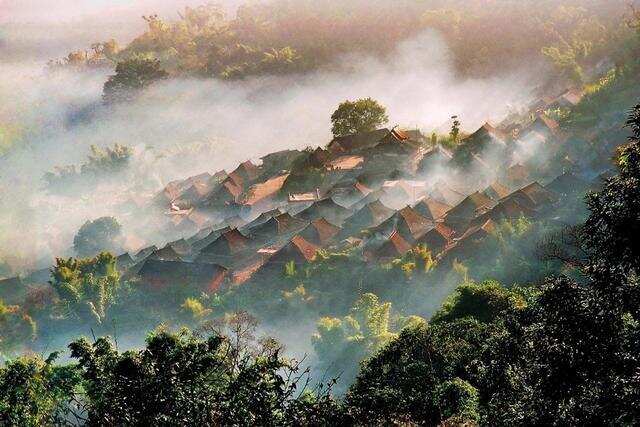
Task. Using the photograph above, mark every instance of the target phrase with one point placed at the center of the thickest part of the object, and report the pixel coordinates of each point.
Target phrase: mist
(60, 115)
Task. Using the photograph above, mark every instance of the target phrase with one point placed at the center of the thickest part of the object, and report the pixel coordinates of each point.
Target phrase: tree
(454, 134)
(182, 379)
(97, 236)
(16, 327)
(86, 287)
(362, 115)
(132, 76)
(35, 392)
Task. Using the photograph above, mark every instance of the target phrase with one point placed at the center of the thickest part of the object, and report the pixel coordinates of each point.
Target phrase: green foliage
(454, 134)
(16, 328)
(86, 287)
(350, 339)
(35, 392)
(131, 77)
(194, 310)
(102, 162)
(179, 379)
(458, 401)
(565, 353)
(484, 302)
(357, 116)
(96, 236)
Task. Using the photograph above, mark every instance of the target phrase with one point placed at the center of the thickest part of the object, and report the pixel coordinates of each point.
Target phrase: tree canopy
(357, 116)
(99, 235)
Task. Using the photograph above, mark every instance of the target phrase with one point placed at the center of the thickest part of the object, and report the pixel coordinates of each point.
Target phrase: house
(124, 261)
(394, 247)
(224, 195)
(445, 194)
(297, 251)
(260, 194)
(202, 239)
(488, 140)
(348, 192)
(198, 219)
(409, 223)
(496, 191)
(165, 254)
(327, 209)
(304, 197)
(469, 244)
(162, 275)
(181, 246)
(277, 227)
(464, 212)
(193, 188)
(261, 219)
(358, 141)
(347, 162)
(533, 196)
(516, 176)
(12, 290)
(145, 252)
(431, 209)
(370, 215)
(437, 239)
(567, 184)
(275, 162)
(320, 232)
(542, 104)
(570, 98)
(544, 125)
(198, 191)
(225, 248)
(433, 158)
(245, 174)
(400, 192)
(507, 208)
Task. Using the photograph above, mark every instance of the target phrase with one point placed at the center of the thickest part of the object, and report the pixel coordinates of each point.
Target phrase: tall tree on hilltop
(362, 115)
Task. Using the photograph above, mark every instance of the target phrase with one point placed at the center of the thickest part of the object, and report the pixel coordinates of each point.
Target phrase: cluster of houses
(383, 192)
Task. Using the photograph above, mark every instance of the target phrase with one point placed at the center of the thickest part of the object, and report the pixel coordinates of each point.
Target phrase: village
(383, 192)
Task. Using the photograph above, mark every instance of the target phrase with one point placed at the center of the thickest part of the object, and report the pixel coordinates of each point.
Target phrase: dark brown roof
(370, 215)
(320, 232)
(478, 231)
(437, 238)
(533, 196)
(244, 174)
(567, 183)
(306, 249)
(517, 174)
(487, 130)
(508, 208)
(496, 191)
(162, 274)
(325, 208)
(445, 194)
(394, 247)
(229, 243)
(431, 209)
(358, 141)
(278, 226)
(165, 254)
(264, 190)
(469, 207)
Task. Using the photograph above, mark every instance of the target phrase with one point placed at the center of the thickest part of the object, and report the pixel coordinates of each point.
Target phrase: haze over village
(319, 213)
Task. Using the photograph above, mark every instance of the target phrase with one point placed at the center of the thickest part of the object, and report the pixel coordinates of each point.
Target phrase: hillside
(455, 273)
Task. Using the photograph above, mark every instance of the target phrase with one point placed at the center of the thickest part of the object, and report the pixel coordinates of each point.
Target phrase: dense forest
(384, 272)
